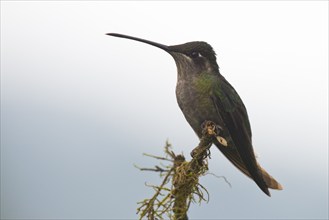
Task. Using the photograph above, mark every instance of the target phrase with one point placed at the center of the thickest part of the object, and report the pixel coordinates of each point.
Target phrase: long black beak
(161, 46)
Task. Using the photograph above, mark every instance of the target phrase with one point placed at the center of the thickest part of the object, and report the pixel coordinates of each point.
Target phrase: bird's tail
(269, 180)
(236, 160)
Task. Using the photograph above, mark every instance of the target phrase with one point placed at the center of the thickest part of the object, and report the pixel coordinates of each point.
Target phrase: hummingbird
(203, 94)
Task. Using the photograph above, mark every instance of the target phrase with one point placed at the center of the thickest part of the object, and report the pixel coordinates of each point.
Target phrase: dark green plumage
(204, 94)
(202, 47)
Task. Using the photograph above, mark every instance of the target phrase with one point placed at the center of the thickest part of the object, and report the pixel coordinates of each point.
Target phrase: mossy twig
(174, 201)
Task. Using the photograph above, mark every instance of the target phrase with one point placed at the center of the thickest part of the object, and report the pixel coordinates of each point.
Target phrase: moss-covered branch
(173, 201)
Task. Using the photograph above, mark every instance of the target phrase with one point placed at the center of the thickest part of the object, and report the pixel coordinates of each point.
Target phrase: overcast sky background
(79, 108)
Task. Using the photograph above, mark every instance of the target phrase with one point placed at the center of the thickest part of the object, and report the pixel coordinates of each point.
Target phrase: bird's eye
(195, 54)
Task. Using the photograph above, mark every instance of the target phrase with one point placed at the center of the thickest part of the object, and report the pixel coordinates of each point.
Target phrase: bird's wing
(238, 133)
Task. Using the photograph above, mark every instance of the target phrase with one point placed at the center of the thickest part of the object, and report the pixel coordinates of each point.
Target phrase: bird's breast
(195, 101)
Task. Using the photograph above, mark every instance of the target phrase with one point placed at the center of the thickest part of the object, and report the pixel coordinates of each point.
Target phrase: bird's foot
(209, 132)
(211, 128)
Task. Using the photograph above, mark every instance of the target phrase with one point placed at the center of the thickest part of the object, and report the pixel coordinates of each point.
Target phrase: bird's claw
(211, 128)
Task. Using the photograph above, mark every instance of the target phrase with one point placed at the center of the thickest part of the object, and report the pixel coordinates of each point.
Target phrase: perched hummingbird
(204, 94)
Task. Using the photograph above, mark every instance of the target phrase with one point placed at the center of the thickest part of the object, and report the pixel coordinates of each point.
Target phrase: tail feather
(269, 180)
(236, 160)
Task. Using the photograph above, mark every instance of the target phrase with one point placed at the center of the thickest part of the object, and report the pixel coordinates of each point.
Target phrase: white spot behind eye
(196, 54)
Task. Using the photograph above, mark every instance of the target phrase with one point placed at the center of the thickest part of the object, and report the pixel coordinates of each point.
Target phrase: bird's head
(191, 58)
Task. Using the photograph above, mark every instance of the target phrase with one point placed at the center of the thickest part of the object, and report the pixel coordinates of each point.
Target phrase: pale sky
(79, 108)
